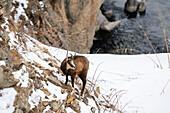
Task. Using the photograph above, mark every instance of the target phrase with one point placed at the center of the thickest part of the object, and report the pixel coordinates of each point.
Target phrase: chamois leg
(83, 78)
(66, 79)
(72, 79)
(84, 84)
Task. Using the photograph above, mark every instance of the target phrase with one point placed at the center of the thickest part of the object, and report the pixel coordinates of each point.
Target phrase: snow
(2, 63)
(5, 25)
(25, 2)
(142, 86)
(35, 97)
(138, 76)
(69, 110)
(47, 108)
(39, 94)
(7, 100)
(85, 108)
(13, 39)
(41, 4)
(55, 90)
(0, 39)
(23, 76)
(20, 9)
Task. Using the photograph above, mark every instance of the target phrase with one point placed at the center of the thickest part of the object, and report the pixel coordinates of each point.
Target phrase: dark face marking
(69, 62)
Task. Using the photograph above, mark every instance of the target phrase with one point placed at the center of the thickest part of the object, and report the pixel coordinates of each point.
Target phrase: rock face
(6, 78)
(134, 6)
(131, 6)
(68, 24)
(12, 61)
(104, 24)
(82, 14)
(1, 76)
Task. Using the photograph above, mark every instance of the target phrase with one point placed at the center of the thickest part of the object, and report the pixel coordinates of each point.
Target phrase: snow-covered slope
(127, 83)
(134, 82)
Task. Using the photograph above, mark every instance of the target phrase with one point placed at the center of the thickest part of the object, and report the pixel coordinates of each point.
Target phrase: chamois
(75, 65)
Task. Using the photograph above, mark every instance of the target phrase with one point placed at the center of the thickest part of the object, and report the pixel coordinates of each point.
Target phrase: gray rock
(54, 80)
(142, 6)
(55, 105)
(3, 55)
(108, 13)
(77, 29)
(6, 79)
(135, 5)
(104, 24)
(108, 26)
(1, 77)
(131, 6)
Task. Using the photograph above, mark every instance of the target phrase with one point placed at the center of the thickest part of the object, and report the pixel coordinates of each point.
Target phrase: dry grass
(165, 37)
(162, 92)
(110, 102)
(93, 85)
(146, 36)
(164, 32)
(159, 65)
(113, 100)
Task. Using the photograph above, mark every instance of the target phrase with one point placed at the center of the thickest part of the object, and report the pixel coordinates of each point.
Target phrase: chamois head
(70, 63)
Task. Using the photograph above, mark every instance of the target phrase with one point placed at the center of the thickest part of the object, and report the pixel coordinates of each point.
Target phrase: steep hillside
(68, 24)
(30, 79)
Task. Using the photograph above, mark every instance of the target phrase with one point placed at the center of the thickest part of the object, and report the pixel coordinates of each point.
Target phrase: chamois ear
(67, 56)
(72, 57)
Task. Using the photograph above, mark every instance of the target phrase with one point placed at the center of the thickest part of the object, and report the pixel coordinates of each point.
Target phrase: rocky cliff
(68, 24)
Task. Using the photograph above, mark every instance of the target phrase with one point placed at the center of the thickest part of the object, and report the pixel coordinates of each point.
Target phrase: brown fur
(81, 69)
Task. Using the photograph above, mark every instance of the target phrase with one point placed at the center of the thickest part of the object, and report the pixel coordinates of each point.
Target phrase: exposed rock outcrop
(132, 7)
(68, 24)
(104, 24)
(83, 21)
(12, 61)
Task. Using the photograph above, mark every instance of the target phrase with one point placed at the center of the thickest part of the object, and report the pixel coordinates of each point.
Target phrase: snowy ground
(138, 77)
(145, 88)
